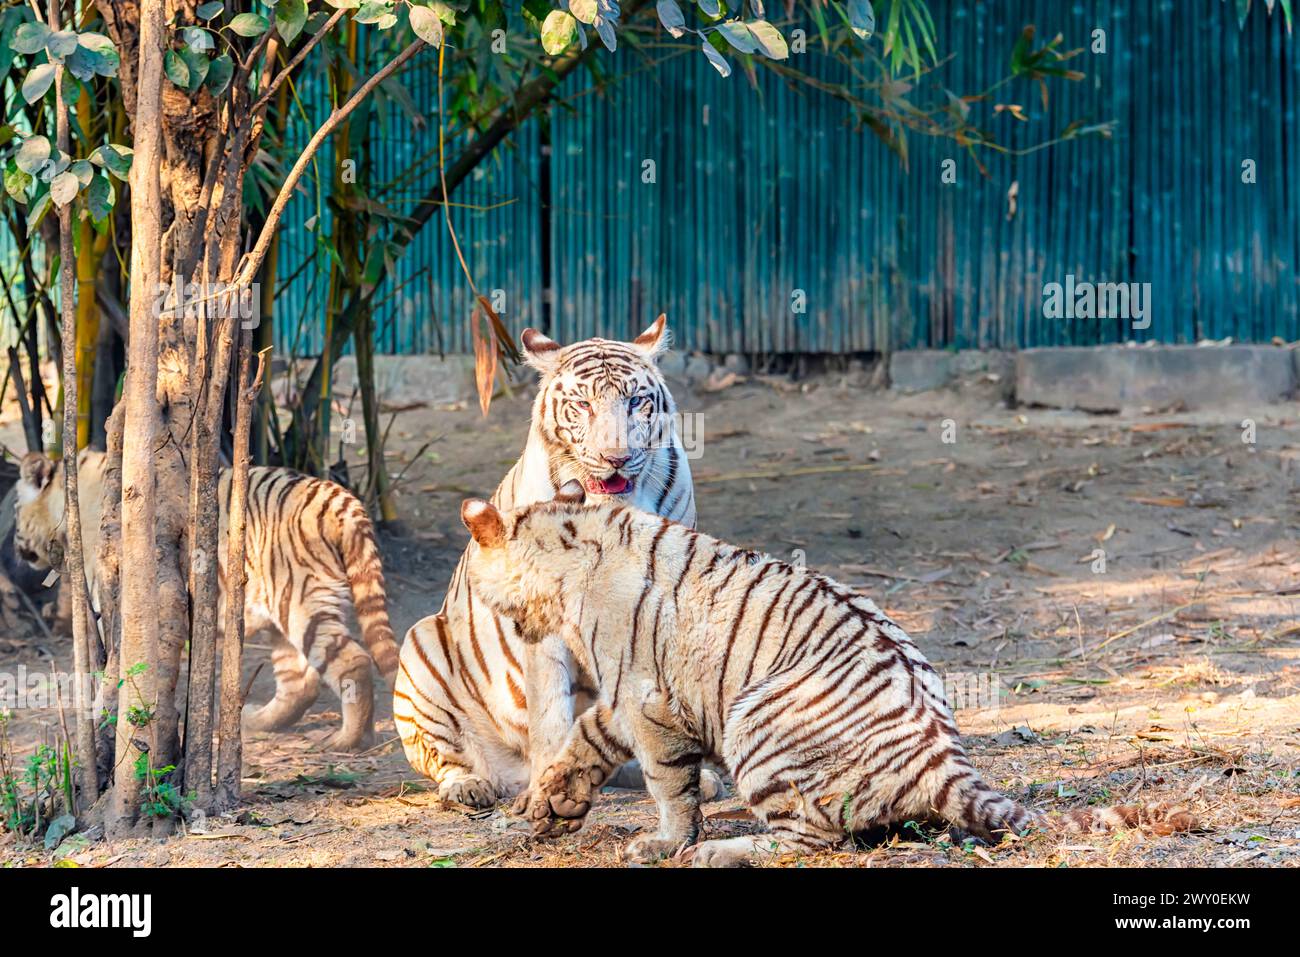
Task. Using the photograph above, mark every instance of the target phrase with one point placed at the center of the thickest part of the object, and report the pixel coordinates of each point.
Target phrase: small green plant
(916, 828)
(159, 796)
(32, 788)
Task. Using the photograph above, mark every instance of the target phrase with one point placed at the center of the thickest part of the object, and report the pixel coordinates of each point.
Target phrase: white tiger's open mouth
(612, 485)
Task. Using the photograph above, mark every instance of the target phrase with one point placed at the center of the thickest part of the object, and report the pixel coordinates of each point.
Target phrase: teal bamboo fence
(764, 194)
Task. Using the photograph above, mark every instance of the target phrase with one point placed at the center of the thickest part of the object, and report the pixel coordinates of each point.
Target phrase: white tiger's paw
(649, 848)
(711, 786)
(469, 790)
(727, 852)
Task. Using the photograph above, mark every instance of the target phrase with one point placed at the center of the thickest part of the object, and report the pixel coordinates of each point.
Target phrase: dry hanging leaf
(485, 359)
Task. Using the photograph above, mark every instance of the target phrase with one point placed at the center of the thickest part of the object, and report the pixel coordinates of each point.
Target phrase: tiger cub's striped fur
(479, 711)
(311, 561)
(829, 718)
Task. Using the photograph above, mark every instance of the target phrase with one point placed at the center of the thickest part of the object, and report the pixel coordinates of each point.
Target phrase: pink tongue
(610, 486)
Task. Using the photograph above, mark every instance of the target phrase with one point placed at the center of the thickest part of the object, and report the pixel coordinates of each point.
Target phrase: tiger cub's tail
(366, 577)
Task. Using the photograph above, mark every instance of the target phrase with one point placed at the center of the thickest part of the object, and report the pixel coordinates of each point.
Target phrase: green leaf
(17, 182)
(196, 62)
(83, 171)
(30, 38)
(862, 19)
(176, 69)
(584, 10)
(717, 59)
(427, 26)
(710, 9)
(344, 4)
(290, 18)
(114, 158)
(81, 64)
(37, 81)
(605, 30)
(100, 198)
(63, 188)
(71, 91)
(557, 31)
(220, 71)
(206, 11)
(445, 13)
(670, 15)
(250, 24)
(198, 39)
(95, 53)
(770, 42)
(33, 154)
(737, 34)
(37, 212)
(373, 11)
(61, 44)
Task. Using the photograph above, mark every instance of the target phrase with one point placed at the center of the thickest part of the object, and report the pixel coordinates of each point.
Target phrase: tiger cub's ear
(484, 522)
(571, 493)
(540, 352)
(35, 470)
(655, 339)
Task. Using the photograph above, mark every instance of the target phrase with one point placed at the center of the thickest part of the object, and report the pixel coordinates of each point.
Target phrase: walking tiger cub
(829, 719)
(311, 561)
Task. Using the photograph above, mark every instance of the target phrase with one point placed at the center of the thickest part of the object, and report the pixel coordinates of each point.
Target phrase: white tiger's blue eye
(583, 404)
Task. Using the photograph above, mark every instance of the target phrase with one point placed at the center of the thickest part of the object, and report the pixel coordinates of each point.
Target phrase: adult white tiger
(479, 710)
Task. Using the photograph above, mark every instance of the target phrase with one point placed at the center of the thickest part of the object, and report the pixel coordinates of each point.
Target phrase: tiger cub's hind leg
(348, 676)
(297, 684)
(343, 662)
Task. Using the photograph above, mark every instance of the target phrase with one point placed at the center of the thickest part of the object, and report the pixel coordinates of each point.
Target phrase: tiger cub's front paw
(558, 803)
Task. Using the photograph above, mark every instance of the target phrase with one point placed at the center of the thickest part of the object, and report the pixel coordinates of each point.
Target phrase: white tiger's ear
(655, 339)
(35, 471)
(540, 352)
(484, 522)
(571, 493)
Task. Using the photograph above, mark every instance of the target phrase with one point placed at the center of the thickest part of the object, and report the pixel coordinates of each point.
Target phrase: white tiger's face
(38, 510)
(603, 409)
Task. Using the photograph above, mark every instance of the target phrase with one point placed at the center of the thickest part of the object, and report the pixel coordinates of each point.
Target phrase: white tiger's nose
(616, 461)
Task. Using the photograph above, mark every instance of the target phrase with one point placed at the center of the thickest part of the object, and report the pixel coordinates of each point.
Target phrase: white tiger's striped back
(829, 718)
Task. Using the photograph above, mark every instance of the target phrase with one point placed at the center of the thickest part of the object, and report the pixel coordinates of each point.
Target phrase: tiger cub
(827, 716)
(311, 561)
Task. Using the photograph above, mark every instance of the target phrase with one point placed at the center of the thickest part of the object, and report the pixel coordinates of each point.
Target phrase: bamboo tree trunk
(91, 247)
(74, 570)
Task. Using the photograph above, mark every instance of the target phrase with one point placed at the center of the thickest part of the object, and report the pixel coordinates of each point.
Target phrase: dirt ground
(1170, 673)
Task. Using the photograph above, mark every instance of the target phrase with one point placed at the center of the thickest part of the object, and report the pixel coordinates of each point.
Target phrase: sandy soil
(1171, 675)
